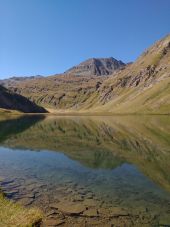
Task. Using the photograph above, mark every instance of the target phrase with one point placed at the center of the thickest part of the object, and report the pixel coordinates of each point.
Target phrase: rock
(104, 212)
(28, 195)
(54, 205)
(52, 222)
(26, 201)
(117, 211)
(2, 179)
(90, 213)
(164, 220)
(89, 196)
(51, 212)
(11, 193)
(91, 203)
(7, 182)
(40, 185)
(54, 214)
(95, 223)
(69, 190)
(112, 212)
(97, 66)
(71, 208)
(77, 198)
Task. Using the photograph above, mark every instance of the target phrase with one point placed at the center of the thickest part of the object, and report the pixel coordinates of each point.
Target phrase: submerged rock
(117, 211)
(26, 201)
(91, 213)
(53, 222)
(70, 208)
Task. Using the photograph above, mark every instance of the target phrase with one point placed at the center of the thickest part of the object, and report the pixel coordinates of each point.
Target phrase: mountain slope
(60, 92)
(97, 66)
(12, 101)
(143, 87)
(140, 87)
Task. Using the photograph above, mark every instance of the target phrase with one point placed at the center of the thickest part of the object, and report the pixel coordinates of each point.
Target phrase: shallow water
(115, 170)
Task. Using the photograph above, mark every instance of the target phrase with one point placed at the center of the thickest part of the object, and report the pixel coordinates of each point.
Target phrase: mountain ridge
(97, 66)
(140, 87)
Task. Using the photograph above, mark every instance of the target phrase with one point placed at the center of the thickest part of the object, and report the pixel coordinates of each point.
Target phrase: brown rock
(51, 212)
(26, 201)
(70, 208)
(52, 222)
(117, 211)
(104, 212)
(90, 213)
(91, 202)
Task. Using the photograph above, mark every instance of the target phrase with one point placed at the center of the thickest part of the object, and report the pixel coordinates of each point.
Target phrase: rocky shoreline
(72, 205)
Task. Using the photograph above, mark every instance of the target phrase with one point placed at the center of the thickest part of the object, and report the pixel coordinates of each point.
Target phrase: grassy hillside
(66, 91)
(141, 87)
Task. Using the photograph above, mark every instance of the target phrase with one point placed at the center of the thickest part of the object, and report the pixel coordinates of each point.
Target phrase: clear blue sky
(49, 36)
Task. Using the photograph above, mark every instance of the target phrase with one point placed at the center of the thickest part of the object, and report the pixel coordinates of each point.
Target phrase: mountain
(12, 101)
(140, 87)
(59, 92)
(97, 66)
(12, 81)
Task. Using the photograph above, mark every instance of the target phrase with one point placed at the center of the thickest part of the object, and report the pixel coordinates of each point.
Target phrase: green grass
(14, 215)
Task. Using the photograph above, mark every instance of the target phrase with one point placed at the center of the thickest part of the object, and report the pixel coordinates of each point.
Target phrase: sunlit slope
(143, 87)
(61, 92)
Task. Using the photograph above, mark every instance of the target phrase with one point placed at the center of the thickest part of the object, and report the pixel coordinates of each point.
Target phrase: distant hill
(139, 87)
(97, 66)
(12, 101)
(17, 79)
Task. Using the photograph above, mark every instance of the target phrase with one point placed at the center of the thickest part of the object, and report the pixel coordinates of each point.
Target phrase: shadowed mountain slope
(12, 101)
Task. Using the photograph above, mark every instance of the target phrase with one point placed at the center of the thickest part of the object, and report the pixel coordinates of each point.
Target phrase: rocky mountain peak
(97, 66)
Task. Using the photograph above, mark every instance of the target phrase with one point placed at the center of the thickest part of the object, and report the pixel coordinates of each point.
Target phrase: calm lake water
(89, 171)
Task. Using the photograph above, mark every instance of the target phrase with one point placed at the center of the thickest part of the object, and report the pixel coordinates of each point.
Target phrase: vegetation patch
(13, 214)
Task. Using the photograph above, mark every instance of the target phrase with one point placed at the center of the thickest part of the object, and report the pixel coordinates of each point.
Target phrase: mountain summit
(140, 87)
(97, 66)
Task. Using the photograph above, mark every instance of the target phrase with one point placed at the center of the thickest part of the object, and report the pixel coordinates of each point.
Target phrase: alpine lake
(88, 170)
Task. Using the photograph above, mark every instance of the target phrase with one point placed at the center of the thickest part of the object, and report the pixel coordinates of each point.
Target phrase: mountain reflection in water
(123, 160)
